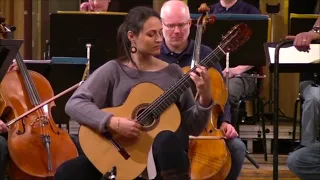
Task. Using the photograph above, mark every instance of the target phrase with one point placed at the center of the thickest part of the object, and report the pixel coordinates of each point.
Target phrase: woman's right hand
(125, 127)
(3, 127)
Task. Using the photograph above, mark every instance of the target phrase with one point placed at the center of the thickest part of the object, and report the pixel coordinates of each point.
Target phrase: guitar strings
(141, 117)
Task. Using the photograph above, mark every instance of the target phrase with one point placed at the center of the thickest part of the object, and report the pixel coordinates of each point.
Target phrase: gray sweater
(109, 86)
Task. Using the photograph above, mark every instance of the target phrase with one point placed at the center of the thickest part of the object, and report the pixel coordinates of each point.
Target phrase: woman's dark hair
(134, 22)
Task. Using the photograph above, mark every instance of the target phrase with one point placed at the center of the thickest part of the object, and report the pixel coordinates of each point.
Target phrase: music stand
(71, 31)
(62, 74)
(291, 60)
(8, 51)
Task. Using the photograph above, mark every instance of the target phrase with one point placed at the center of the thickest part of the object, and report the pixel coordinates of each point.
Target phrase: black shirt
(239, 7)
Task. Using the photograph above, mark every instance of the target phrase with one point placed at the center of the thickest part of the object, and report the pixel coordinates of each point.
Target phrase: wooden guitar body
(104, 155)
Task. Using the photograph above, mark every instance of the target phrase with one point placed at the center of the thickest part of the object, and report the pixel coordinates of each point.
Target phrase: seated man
(309, 90)
(238, 86)
(233, 7)
(95, 5)
(177, 48)
(305, 161)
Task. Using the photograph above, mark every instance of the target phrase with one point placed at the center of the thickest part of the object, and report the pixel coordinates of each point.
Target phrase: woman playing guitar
(140, 38)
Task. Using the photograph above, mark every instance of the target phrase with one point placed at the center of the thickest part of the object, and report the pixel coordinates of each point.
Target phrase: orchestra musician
(178, 49)
(305, 160)
(95, 5)
(233, 7)
(238, 86)
(140, 37)
(309, 91)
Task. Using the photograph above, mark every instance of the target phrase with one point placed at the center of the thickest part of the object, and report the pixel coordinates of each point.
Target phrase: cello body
(209, 158)
(25, 138)
(37, 146)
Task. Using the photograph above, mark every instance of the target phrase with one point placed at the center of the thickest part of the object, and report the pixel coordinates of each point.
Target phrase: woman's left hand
(203, 84)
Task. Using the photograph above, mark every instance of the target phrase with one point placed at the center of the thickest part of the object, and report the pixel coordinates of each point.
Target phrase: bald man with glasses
(178, 48)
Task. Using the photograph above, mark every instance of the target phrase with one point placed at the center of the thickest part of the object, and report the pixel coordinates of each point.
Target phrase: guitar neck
(234, 38)
(173, 93)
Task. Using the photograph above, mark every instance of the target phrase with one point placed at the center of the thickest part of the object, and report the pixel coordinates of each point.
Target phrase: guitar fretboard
(172, 94)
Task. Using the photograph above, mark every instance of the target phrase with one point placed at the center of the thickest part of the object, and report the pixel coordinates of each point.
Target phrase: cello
(37, 146)
(209, 156)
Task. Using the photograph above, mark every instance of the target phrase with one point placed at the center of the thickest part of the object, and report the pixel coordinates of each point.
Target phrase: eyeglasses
(179, 25)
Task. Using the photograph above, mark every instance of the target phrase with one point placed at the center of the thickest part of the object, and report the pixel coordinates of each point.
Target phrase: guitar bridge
(117, 145)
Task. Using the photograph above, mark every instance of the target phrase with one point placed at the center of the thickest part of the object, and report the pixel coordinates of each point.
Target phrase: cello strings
(29, 85)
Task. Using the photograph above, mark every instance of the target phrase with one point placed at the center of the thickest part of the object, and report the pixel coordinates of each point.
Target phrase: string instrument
(208, 154)
(36, 145)
(155, 110)
(87, 69)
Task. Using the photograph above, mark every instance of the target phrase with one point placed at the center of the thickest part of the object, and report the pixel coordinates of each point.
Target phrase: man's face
(176, 29)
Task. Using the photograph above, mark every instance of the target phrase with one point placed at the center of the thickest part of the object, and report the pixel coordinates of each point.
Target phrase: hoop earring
(133, 49)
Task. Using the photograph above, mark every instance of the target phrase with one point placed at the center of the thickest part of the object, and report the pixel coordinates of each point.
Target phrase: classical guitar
(155, 111)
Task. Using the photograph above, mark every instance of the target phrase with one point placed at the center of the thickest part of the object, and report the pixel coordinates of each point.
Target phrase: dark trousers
(305, 162)
(170, 159)
(239, 87)
(4, 156)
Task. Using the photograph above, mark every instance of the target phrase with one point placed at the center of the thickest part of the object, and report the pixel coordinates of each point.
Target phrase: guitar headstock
(236, 37)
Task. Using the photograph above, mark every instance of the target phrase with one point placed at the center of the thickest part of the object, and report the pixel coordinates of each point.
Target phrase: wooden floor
(265, 172)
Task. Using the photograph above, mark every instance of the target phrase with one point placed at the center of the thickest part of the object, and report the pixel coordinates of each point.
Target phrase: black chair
(299, 101)
(258, 109)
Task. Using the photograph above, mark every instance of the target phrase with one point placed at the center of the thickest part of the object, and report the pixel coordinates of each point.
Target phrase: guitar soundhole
(145, 118)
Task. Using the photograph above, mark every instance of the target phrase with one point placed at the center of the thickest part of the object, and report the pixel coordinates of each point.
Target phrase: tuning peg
(212, 19)
(2, 19)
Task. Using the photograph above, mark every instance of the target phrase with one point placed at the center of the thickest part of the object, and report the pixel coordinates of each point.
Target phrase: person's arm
(95, 5)
(194, 117)
(302, 40)
(85, 104)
